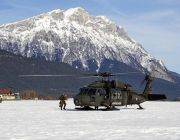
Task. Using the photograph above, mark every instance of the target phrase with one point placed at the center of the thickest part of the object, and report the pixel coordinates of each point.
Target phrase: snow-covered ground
(35, 120)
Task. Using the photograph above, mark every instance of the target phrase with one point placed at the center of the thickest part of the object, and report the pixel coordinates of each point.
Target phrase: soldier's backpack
(61, 97)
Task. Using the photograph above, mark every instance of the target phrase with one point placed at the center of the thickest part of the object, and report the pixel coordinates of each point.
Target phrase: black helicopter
(111, 93)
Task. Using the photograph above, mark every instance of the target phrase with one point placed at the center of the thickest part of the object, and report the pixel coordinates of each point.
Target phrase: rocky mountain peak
(80, 16)
(79, 39)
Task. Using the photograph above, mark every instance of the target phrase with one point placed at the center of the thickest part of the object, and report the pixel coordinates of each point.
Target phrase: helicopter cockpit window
(80, 91)
(104, 91)
(92, 91)
(100, 92)
(119, 94)
(85, 91)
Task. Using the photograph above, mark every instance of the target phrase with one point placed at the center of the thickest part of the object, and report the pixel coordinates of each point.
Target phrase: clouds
(157, 15)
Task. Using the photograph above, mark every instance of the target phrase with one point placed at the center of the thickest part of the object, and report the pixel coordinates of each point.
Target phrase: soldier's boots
(64, 107)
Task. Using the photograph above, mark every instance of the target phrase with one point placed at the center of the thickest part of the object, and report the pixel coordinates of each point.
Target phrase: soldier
(0, 98)
(62, 102)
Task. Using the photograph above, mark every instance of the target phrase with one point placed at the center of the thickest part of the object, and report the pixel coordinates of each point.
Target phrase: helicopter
(110, 93)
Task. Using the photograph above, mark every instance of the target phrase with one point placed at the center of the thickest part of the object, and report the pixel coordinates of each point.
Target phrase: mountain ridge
(77, 38)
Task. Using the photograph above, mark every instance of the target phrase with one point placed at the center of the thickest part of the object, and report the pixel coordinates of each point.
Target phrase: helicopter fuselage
(107, 93)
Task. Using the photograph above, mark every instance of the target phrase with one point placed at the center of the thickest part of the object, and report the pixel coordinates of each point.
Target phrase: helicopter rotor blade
(104, 74)
(88, 76)
(44, 75)
(107, 74)
(59, 75)
(125, 73)
(141, 83)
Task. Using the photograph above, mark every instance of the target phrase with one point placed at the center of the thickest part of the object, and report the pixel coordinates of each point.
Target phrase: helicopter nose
(77, 101)
(81, 100)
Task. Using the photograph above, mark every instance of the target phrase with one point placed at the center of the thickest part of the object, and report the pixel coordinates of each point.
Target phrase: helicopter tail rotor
(145, 79)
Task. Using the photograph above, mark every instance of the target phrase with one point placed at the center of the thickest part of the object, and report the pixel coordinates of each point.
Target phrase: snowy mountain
(79, 39)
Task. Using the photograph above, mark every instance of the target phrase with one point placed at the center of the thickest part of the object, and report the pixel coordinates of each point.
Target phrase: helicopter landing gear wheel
(110, 109)
(96, 107)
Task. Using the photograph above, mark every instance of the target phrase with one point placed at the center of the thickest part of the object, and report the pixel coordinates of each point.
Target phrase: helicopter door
(106, 95)
(100, 92)
(124, 98)
(99, 97)
(92, 93)
(96, 96)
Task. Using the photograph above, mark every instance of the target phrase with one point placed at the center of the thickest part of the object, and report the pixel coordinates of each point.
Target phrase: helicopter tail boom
(147, 90)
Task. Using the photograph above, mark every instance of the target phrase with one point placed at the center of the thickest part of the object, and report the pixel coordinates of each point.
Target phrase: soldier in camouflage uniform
(62, 102)
(0, 98)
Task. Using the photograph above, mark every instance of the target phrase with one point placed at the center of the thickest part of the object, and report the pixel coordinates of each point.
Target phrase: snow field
(38, 119)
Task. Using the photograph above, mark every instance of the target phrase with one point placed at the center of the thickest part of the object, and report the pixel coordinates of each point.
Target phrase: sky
(43, 120)
(155, 24)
